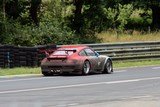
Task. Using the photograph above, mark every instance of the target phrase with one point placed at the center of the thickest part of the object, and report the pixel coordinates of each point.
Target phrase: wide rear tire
(108, 67)
(46, 74)
(86, 68)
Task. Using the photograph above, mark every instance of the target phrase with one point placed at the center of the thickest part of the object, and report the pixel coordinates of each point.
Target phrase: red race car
(75, 59)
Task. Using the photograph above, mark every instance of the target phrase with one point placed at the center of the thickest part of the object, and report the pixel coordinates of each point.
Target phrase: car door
(93, 58)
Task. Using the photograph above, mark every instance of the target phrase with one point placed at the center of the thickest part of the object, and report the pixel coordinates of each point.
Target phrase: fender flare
(107, 58)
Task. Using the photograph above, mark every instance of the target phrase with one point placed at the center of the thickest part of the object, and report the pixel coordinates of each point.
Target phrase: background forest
(39, 22)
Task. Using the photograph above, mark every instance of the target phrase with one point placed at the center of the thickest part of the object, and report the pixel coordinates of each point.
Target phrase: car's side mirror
(97, 54)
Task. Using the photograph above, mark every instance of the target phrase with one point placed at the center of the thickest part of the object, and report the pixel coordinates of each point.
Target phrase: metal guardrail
(12, 56)
(132, 51)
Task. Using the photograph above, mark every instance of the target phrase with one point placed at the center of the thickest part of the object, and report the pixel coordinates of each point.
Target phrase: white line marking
(27, 79)
(139, 97)
(77, 85)
(37, 78)
(61, 105)
(21, 75)
(121, 71)
(156, 68)
(73, 104)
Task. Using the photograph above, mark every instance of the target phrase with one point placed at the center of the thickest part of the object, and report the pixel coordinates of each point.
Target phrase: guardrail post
(8, 60)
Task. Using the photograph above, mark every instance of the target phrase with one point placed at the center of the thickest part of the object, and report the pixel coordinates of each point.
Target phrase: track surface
(128, 87)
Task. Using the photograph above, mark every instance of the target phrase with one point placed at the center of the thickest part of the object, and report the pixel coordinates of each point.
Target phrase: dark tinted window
(82, 53)
(90, 52)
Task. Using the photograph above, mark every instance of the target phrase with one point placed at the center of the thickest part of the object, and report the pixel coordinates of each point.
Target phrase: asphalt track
(128, 87)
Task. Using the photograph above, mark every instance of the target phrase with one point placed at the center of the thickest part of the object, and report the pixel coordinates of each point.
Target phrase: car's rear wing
(50, 51)
(74, 50)
(47, 50)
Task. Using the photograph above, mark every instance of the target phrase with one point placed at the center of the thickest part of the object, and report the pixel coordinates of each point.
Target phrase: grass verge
(126, 64)
(112, 36)
(19, 71)
(24, 70)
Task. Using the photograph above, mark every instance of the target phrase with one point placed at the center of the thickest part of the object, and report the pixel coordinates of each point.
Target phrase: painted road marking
(78, 85)
(37, 78)
(61, 105)
(139, 97)
(16, 80)
(73, 104)
(121, 71)
(67, 105)
(26, 79)
(156, 68)
(20, 75)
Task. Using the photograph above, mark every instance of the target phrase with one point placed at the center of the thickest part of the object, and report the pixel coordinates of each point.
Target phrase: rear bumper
(63, 68)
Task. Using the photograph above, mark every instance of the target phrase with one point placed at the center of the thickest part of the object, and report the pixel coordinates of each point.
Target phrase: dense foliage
(37, 22)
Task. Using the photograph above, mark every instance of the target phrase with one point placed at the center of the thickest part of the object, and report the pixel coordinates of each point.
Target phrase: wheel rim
(109, 67)
(86, 67)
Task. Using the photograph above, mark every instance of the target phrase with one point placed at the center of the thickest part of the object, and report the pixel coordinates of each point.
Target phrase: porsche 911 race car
(75, 59)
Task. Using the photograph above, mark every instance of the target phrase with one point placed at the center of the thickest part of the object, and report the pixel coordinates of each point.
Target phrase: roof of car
(77, 47)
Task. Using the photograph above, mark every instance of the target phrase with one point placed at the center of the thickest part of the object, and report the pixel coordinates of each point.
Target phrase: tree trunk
(78, 21)
(4, 10)
(4, 15)
(155, 17)
(35, 6)
(11, 9)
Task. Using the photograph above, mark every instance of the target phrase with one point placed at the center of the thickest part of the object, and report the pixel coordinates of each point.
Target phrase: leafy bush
(57, 22)
(125, 12)
(140, 19)
(46, 33)
(118, 16)
(2, 27)
(51, 29)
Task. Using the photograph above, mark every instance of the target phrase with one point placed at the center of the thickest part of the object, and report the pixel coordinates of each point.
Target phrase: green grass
(21, 70)
(128, 36)
(24, 70)
(119, 64)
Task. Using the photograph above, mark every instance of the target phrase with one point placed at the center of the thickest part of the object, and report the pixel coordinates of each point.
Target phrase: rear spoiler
(74, 50)
(50, 51)
(47, 49)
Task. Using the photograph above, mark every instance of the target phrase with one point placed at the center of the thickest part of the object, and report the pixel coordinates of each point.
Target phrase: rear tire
(108, 69)
(86, 68)
(46, 74)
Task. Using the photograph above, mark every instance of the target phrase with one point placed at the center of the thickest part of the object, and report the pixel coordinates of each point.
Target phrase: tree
(12, 9)
(88, 15)
(155, 6)
(3, 9)
(77, 20)
(2, 20)
(35, 7)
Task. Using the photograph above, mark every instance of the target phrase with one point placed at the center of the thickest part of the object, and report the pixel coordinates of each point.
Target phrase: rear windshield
(64, 52)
